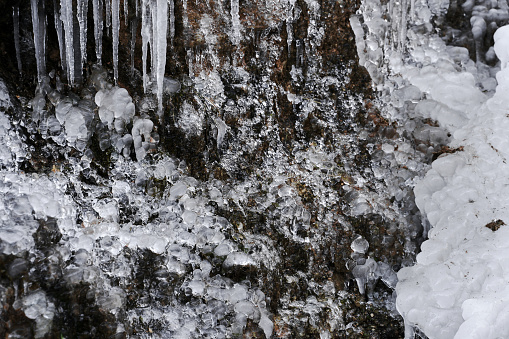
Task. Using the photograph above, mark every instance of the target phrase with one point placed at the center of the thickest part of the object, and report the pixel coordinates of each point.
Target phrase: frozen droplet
(360, 245)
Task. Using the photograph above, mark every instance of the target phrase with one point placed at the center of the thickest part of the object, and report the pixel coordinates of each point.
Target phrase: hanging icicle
(107, 4)
(60, 34)
(235, 22)
(82, 11)
(160, 36)
(153, 42)
(115, 28)
(98, 28)
(172, 20)
(134, 29)
(126, 11)
(15, 20)
(146, 36)
(67, 19)
(39, 27)
(185, 19)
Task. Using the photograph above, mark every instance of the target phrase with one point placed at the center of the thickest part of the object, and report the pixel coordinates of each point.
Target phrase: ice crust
(457, 287)
(96, 250)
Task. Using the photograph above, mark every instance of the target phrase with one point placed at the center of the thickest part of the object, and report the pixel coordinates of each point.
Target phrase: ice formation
(66, 15)
(116, 108)
(97, 6)
(115, 27)
(39, 26)
(456, 289)
(15, 20)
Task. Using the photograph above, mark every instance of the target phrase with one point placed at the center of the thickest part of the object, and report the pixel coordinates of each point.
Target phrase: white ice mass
(458, 286)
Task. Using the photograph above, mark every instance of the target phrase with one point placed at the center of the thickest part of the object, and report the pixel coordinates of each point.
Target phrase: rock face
(270, 197)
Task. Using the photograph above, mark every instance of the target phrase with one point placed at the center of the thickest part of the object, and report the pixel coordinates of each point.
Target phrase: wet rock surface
(242, 216)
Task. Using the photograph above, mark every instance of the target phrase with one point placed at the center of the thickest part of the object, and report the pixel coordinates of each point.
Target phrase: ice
(66, 15)
(82, 14)
(190, 120)
(248, 309)
(126, 11)
(502, 45)
(116, 108)
(60, 34)
(222, 250)
(112, 299)
(171, 4)
(39, 28)
(455, 289)
(239, 259)
(360, 245)
(236, 27)
(221, 131)
(107, 209)
(37, 307)
(160, 32)
(107, 5)
(115, 28)
(15, 21)
(141, 137)
(98, 28)
(171, 86)
(146, 36)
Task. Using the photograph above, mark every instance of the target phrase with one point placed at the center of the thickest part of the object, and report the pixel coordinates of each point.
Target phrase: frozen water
(98, 6)
(115, 28)
(454, 290)
(39, 28)
(116, 108)
(66, 15)
(82, 14)
(15, 21)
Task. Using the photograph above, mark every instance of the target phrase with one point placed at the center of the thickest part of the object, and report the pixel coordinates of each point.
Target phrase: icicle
(235, 22)
(146, 36)
(289, 26)
(299, 53)
(189, 59)
(185, 19)
(98, 28)
(82, 12)
(172, 20)
(60, 34)
(160, 36)
(15, 20)
(115, 27)
(108, 16)
(39, 27)
(153, 42)
(404, 10)
(134, 28)
(289, 33)
(67, 18)
(126, 11)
